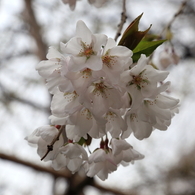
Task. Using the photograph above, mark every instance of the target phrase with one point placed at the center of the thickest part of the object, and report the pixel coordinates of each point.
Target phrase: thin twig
(180, 11)
(50, 147)
(123, 20)
(168, 26)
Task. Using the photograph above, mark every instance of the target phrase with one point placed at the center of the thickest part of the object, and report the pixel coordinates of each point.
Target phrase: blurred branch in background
(34, 29)
(76, 183)
(180, 11)
(178, 180)
(8, 96)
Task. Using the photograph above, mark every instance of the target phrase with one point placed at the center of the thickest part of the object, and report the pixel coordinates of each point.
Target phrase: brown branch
(166, 32)
(123, 20)
(50, 147)
(76, 187)
(113, 191)
(64, 174)
(9, 96)
(35, 29)
(27, 102)
(180, 11)
(34, 166)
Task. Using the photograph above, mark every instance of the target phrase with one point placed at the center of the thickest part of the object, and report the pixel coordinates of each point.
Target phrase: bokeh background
(27, 29)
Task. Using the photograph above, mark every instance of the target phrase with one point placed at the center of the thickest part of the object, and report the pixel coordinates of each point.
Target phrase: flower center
(149, 102)
(133, 117)
(70, 96)
(108, 60)
(139, 81)
(86, 50)
(86, 73)
(110, 116)
(100, 87)
(87, 114)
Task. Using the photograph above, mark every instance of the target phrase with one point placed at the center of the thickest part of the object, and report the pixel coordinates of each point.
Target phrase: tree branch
(180, 11)
(123, 20)
(64, 174)
(8, 96)
(35, 30)
(14, 159)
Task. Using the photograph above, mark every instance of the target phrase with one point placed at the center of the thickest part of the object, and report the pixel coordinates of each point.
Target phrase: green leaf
(85, 142)
(145, 47)
(131, 37)
(81, 141)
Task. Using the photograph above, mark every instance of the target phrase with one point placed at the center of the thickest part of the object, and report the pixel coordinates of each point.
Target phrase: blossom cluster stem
(50, 146)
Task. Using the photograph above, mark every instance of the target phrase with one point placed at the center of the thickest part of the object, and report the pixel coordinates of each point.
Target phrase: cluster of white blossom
(96, 3)
(99, 93)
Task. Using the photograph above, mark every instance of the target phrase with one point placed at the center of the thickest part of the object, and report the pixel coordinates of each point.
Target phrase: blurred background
(27, 29)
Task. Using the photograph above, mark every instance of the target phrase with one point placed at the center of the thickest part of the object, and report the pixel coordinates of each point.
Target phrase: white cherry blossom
(115, 123)
(72, 156)
(141, 129)
(42, 137)
(115, 59)
(142, 80)
(101, 163)
(104, 94)
(51, 71)
(159, 111)
(124, 151)
(80, 80)
(152, 114)
(58, 120)
(53, 64)
(99, 93)
(64, 104)
(84, 123)
(84, 49)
